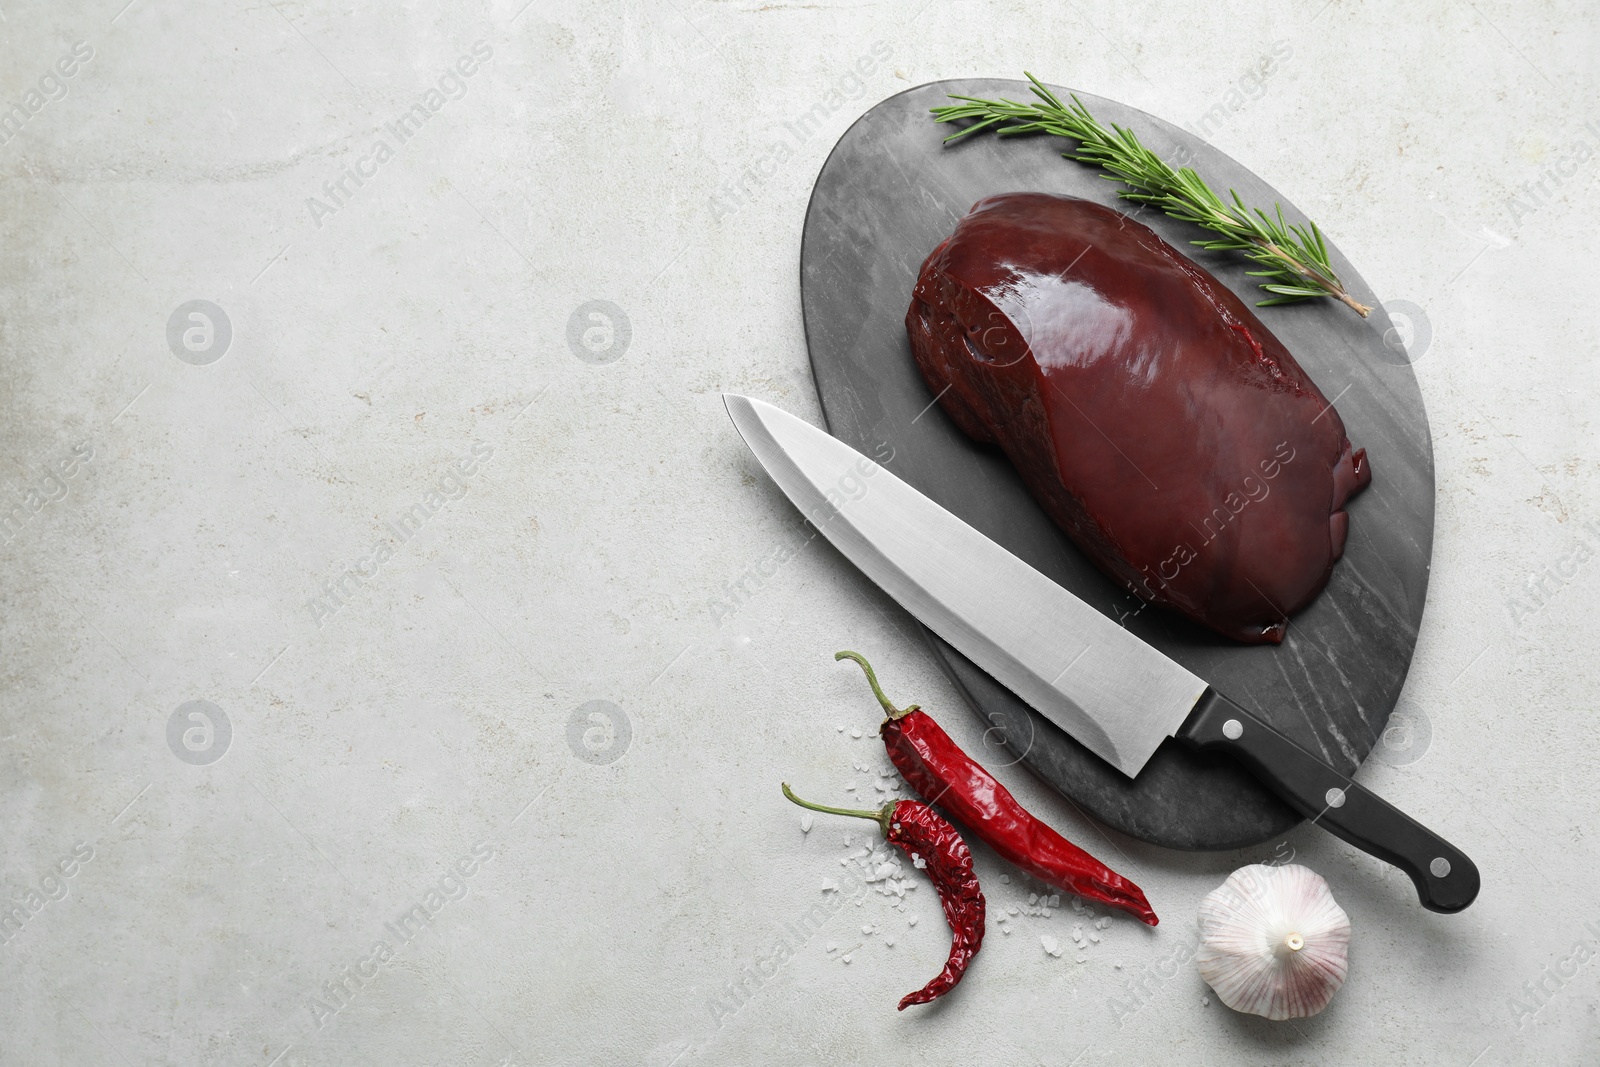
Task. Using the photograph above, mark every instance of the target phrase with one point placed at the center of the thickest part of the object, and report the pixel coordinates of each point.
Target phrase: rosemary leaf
(1294, 256)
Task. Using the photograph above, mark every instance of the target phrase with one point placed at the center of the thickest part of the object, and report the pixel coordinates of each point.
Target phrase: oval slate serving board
(888, 193)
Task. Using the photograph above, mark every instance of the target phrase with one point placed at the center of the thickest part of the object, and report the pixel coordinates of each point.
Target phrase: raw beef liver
(1159, 423)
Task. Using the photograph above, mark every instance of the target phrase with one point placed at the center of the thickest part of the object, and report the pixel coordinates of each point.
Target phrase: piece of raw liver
(1148, 409)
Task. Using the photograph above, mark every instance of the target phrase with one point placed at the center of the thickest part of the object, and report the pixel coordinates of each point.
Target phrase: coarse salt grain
(805, 823)
(1006, 879)
(1052, 945)
(888, 942)
(832, 946)
(855, 731)
(912, 921)
(1033, 898)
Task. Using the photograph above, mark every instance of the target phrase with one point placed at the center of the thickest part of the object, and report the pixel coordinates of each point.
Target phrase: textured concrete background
(185, 486)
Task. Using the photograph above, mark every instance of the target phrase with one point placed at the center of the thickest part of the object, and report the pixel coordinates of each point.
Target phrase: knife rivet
(1440, 867)
(1334, 797)
(1232, 729)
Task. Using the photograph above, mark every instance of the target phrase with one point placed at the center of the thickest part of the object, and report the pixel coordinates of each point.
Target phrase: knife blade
(1117, 695)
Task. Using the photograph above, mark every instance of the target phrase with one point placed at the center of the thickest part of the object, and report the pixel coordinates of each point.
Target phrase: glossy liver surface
(1149, 411)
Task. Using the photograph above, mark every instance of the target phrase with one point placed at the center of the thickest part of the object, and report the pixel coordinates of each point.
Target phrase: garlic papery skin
(1273, 942)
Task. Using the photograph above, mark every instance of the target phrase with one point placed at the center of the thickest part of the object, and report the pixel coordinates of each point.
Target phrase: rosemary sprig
(1295, 257)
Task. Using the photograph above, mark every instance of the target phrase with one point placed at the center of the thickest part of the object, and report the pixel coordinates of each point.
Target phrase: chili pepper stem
(882, 816)
(877, 690)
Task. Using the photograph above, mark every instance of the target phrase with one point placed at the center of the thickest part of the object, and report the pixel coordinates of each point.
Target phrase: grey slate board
(888, 193)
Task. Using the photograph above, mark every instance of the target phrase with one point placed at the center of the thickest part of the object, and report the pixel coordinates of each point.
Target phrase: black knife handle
(1446, 879)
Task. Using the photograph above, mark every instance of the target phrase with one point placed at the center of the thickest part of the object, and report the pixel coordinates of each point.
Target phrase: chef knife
(1113, 692)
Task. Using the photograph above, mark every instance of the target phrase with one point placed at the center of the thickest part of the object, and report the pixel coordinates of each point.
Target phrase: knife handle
(1446, 879)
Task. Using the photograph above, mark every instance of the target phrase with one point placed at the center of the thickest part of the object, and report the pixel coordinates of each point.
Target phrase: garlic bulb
(1273, 942)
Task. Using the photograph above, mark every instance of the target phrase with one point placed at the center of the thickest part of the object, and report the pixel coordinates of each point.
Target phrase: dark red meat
(1151, 414)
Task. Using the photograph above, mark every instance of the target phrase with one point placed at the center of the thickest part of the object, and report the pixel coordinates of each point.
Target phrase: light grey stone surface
(645, 880)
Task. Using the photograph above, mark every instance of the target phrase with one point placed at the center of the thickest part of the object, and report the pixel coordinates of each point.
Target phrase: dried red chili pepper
(922, 833)
(938, 769)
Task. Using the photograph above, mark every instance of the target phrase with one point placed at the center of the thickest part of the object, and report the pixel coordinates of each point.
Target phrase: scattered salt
(845, 958)
(1005, 878)
(855, 731)
(1014, 910)
(1005, 930)
(918, 862)
(1033, 898)
(849, 839)
(888, 942)
(832, 946)
(1055, 900)
(1205, 1002)
(851, 788)
(1083, 959)
(829, 885)
(805, 823)
(912, 921)
(1052, 945)
(868, 928)
(841, 728)
(1095, 938)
